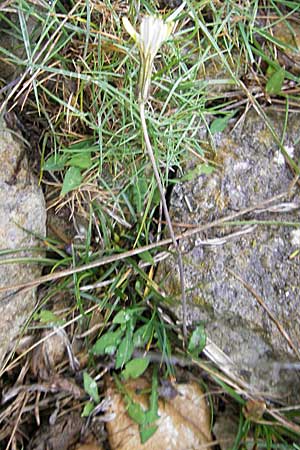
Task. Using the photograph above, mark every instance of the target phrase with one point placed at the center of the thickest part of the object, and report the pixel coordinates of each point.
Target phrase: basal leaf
(218, 125)
(146, 432)
(122, 316)
(197, 340)
(72, 180)
(88, 408)
(46, 316)
(275, 82)
(135, 368)
(82, 160)
(125, 350)
(55, 162)
(147, 257)
(90, 387)
(136, 412)
(152, 413)
(142, 335)
(108, 343)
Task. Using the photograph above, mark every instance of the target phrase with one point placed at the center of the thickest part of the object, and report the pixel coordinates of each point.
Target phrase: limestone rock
(22, 212)
(252, 169)
(183, 424)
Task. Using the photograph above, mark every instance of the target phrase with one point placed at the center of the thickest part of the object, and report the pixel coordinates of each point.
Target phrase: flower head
(153, 32)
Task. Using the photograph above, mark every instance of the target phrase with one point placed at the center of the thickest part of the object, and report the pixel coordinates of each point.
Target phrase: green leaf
(55, 162)
(108, 343)
(152, 413)
(126, 315)
(197, 340)
(136, 412)
(142, 335)
(146, 432)
(148, 428)
(125, 349)
(72, 180)
(122, 316)
(82, 160)
(88, 408)
(90, 387)
(147, 257)
(135, 368)
(206, 169)
(46, 316)
(218, 125)
(275, 82)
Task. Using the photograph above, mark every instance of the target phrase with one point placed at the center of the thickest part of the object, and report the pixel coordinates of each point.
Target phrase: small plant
(153, 32)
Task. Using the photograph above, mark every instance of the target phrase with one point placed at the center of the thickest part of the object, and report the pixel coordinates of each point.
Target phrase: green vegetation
(76, 74)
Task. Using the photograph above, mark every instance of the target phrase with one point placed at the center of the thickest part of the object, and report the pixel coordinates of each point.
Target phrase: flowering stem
(167, 215)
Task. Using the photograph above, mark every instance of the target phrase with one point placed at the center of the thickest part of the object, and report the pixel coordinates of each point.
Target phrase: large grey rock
(251, 170)
(22, 208)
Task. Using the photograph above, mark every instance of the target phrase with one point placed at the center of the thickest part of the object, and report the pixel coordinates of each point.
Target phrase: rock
(22, 212)
(184, 422)
(252, 170)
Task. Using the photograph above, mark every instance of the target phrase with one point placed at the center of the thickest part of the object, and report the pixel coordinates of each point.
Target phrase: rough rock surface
(251, 169)
(22, 210)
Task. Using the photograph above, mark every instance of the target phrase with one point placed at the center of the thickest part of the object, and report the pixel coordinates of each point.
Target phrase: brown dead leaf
(254, 410)
(55, 384)
(48, 354)
(93, 445)
(58, 383)
(184, 422)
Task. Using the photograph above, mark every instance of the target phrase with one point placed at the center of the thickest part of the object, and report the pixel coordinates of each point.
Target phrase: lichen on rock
(233, 317)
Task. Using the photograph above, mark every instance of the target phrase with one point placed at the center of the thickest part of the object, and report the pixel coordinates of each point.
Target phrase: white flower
(153, 32)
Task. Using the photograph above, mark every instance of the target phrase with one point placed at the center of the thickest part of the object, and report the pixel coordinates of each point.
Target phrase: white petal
(130, 30)
(154, 31)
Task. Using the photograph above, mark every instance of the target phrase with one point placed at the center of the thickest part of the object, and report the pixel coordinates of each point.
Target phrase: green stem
(167, 215)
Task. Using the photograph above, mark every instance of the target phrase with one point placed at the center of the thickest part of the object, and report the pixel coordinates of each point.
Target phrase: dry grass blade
(138, 251)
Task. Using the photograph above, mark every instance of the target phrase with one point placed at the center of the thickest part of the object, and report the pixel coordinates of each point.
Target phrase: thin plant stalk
(167, 215)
